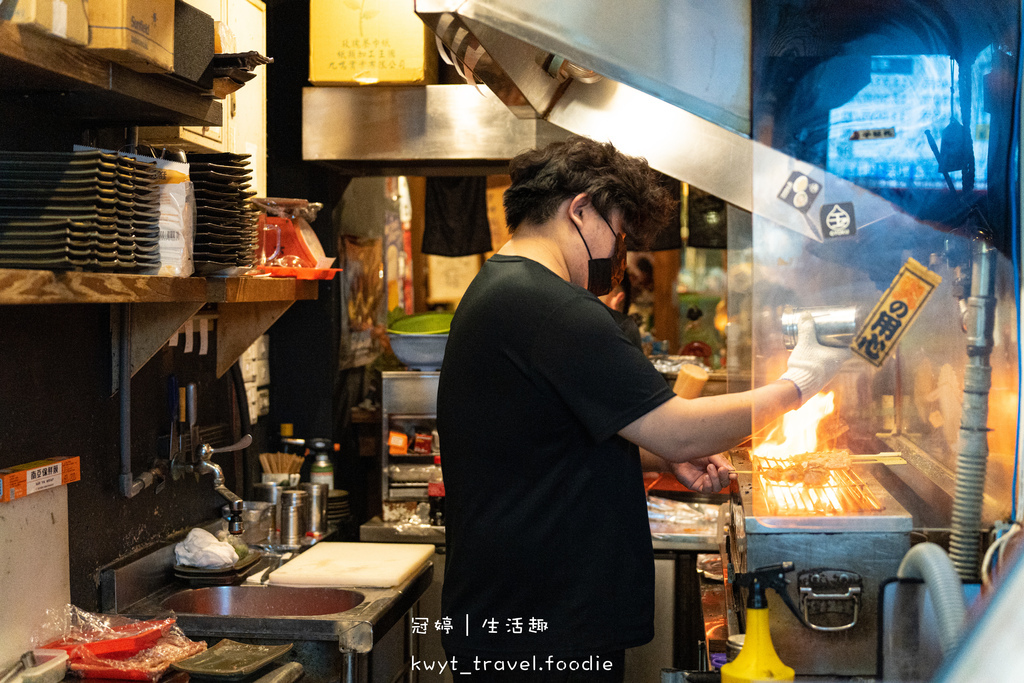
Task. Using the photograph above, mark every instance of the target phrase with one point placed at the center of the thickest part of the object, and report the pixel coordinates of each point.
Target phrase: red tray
(143, 634)
(300, 273)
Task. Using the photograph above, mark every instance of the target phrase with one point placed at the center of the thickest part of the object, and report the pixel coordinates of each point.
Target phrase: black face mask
(603, 274)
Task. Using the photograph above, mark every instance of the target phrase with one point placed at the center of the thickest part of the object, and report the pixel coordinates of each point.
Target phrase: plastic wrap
(110, 646)
(673, 520)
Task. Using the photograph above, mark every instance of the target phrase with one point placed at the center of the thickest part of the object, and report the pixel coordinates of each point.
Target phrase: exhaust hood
(676, 86)
(416, 130)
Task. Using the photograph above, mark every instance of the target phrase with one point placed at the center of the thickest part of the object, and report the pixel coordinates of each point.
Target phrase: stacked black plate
(225, 218)
(339, 515)
(88, 210)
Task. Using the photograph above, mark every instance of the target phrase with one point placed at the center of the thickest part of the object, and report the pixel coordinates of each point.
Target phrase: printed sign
(800, 191)
(837, 220)
(894, 312)
(873, 134)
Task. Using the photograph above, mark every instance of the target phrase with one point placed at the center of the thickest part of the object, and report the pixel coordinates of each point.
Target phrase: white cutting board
(377, 565)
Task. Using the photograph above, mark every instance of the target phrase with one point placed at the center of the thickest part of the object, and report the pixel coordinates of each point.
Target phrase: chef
(550, 568)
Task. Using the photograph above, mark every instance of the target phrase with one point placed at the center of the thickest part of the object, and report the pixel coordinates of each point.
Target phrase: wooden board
(378, 565)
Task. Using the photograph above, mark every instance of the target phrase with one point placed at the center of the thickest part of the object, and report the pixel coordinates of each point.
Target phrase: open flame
(799, 430)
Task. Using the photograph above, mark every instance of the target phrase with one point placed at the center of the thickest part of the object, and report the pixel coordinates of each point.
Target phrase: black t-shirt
(548, 543)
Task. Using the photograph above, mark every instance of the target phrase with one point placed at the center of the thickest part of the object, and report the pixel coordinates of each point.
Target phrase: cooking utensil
(193, 423)
(833, 325)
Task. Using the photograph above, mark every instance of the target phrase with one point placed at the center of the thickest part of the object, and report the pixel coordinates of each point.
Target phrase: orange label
(39, 475)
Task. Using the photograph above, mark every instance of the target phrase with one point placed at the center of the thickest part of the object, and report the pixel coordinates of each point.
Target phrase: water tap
(205, 465)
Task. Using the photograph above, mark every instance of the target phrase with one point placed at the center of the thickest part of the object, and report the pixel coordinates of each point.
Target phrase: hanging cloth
(455, 221)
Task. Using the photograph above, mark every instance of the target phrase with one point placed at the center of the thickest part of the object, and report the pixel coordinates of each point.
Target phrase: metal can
(833, 325)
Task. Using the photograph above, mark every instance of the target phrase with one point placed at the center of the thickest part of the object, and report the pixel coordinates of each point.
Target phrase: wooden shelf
(73, 287)
(50, 73)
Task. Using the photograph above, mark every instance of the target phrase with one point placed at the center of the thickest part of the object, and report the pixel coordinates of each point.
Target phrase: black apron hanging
(455, 221)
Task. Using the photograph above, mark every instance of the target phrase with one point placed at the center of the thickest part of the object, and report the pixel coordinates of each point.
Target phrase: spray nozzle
(758, 581)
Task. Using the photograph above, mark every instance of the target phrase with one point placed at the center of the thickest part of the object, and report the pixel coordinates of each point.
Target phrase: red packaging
(423, 444)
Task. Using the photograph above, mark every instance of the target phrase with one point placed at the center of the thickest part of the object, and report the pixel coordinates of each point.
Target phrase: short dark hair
(543, 178)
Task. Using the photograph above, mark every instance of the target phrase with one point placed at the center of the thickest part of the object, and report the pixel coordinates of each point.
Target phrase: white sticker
(204, 336)
(42, 478)
(173, 341)
(60, 18)
(188, 335)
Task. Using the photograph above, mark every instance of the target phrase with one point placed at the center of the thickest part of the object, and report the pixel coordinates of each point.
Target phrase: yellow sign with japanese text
(894, 312)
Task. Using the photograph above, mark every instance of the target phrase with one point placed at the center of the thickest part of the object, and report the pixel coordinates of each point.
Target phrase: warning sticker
(894, 312)
(837, 220)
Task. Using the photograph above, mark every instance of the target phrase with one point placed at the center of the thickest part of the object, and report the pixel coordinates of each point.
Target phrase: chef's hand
(812, 365)
(707, 475)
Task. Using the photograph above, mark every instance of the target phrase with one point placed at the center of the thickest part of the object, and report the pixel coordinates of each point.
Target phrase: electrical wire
(1015, 248)
(998, 546)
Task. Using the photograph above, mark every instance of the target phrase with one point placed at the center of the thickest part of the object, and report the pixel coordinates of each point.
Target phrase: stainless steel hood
(416, 130)
(676, 86)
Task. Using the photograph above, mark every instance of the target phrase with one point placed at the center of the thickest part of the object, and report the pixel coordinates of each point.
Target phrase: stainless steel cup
(270, 492)
(294, 514)
(317, 518)
(833, 325)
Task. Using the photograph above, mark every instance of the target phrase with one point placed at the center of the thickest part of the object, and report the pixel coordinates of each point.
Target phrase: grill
(847, 533)
(844, 492)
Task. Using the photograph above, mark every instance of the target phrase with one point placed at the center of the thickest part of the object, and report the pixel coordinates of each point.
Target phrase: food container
(294, 503)
(316, 515)
(419, 351)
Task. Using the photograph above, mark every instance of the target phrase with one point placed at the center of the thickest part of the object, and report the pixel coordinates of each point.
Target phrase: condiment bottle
(322, 469)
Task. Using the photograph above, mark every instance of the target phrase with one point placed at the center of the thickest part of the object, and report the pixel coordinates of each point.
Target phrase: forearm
(681, 430)
(653, 463)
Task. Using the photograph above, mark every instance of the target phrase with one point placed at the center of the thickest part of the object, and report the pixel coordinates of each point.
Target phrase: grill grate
(843, 493)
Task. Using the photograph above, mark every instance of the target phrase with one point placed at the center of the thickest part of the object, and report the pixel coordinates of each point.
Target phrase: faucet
(206, 465)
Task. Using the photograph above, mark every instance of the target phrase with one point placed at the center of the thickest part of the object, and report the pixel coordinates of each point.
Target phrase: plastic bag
(671, 519)
(111, 646)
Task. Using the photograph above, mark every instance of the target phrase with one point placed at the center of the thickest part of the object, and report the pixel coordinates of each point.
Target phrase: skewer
(890, 458)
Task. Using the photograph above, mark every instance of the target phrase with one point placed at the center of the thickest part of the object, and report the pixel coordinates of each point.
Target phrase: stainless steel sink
(263, 601)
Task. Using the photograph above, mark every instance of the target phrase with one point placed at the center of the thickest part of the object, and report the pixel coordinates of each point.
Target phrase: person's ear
(577, 204)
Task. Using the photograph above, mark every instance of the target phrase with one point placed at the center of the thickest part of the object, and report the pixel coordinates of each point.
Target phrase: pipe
(124, 380)
(972, 455)
(929, 562)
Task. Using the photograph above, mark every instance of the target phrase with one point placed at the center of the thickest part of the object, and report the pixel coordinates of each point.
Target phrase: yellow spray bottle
(758, 661)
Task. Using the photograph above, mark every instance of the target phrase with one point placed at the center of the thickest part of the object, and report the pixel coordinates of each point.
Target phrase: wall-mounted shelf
(158, 306)
(75, 287)
(50, 73)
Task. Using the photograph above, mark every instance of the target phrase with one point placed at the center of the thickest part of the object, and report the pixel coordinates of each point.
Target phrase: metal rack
(407, 396)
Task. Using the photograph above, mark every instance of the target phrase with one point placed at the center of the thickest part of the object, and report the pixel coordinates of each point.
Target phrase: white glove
(812, 365)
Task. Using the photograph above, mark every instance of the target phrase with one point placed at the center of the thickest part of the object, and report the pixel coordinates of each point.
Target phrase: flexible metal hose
(930, 563)
(972, 457)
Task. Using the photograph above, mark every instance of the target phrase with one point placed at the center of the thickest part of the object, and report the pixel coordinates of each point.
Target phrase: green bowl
(435, 322)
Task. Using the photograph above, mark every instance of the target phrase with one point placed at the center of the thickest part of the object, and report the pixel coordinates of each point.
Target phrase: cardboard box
(136, 33)
(64, 19)
(33, 477)
(369, 42)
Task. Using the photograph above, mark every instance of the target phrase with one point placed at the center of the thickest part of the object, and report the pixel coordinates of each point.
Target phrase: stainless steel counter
(345, 645)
